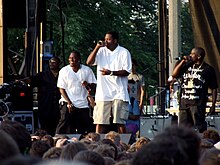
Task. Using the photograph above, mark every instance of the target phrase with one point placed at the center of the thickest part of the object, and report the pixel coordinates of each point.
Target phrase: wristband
(111, 74)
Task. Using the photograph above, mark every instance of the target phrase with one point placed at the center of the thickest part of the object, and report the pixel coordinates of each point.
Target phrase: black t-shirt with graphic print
(196, 79)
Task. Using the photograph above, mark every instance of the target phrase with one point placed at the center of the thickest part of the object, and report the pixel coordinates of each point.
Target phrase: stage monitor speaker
(151, 126)
(213, 122)
(70, 136)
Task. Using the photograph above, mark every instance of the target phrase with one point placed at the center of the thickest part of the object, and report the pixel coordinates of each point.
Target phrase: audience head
(206, 144)
(49, 139)
(113, 136)
(187, 138)
(9, 147)
(19, 133)
(105, 150)
(21, 160)
(109, 161)
(211, 134)
(90, 157)
(92, 136)
(38, 148)
(110, 143)
(52, 153)
(40, 133)
(210, 157)
(163, 151)
(71, 149)
(141, 142)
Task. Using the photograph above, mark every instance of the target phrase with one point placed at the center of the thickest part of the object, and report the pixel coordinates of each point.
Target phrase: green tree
(186, 29)
(87, 21)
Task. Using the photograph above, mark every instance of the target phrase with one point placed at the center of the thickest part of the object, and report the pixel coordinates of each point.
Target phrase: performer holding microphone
(196, 77)
(113, 66)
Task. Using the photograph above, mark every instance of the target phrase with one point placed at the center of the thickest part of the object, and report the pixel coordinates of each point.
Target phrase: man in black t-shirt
(196, 77)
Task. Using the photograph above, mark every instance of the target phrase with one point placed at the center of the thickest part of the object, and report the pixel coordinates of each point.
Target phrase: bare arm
(91, 58)
(214, 98)
(177, 69)
(141, 98)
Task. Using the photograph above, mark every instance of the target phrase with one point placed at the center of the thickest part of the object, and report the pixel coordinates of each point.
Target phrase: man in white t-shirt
(74, 80)
(113, 66)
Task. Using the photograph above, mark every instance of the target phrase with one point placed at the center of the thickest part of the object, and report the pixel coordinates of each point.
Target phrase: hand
(102, 43)
(61, 142)
(140, 107)
(85, 83)
(70, 107)
(105, 71)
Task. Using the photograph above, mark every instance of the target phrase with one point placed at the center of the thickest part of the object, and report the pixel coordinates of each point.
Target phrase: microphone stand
(157, 94)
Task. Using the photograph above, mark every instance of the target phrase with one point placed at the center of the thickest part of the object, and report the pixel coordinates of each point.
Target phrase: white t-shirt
(72, 83)
(112, 87)
(136, 82)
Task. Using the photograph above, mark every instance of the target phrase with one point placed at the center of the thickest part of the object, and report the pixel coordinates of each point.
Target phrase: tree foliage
(87, 21)
(186, 27)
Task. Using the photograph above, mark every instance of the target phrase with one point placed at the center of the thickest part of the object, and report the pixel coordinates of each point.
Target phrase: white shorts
(103, 110)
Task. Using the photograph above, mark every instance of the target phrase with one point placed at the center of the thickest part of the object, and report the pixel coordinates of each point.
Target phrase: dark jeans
(78, 121)
(193, 117)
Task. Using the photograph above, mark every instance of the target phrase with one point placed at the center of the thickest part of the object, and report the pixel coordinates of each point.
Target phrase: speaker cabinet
(151, 126)
(213, 122)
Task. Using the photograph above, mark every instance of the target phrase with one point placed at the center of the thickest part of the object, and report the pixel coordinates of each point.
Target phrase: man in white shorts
(112, 98)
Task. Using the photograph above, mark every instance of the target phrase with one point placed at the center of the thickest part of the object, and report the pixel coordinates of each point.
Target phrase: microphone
(188, 58)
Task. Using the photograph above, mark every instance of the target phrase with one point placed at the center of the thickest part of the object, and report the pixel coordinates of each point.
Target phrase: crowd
(173, 146)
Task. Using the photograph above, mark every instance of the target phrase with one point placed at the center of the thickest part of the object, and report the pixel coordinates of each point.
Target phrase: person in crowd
(74, 80)
(19, 133)
(141, 142)
(48, 139)
(164, 151)
(38, 148)
(105, 150)
(212, 135)
(9, 147)
(210, 157)
(22, 160)
(48, 95)
(113, 66)
(89, 157)
(52, 153)
(94, 137)
(114, 137)
(186, 138)
(196, 77)
(133, 122)
(136, 84)
(111, 144)
(71, 149)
